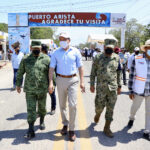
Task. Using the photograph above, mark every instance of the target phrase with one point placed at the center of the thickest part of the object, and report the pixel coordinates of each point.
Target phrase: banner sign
(69, 19)
(18, 19)
(118, 20)
(21, 35)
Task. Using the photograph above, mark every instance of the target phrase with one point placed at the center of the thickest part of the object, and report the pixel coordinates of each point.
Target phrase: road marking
(85, 141)
(71, 145)
(59, 141)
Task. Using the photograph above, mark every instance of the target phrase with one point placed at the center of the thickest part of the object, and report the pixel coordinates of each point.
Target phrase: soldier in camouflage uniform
(36, 67)
(106, 68)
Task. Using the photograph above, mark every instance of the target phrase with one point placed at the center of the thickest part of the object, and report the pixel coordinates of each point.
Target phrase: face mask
(109, 51)
(36, 52)
(137, 52)
(63, 44)
(148, 52)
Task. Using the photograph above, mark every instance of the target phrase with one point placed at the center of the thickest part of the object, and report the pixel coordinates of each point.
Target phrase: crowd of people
(45, 70)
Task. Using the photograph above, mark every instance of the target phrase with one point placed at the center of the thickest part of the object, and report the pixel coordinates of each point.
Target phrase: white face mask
(63, 44)
(148, 52)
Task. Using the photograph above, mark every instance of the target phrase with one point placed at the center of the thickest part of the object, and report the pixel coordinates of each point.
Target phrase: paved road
(13, 123)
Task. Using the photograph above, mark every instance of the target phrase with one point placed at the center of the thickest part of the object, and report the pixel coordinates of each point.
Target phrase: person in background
(123, 60)
(139, 87)
(16, 60)
(89, 52)
(131, 58)
(86, 54)
(53, 96)
(96, 52)
(117, 50)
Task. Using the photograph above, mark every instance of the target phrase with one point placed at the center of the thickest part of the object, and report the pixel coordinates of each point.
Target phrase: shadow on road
(87, 76)
(18, 136)
(6, 89)
(125, 93)
(18, 116)
(121, 136)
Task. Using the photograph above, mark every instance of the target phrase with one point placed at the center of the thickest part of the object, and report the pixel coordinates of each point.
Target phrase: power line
(73, 4)
(52, 3)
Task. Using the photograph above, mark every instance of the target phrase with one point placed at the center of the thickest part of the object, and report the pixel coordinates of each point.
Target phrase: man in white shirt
(16, 59)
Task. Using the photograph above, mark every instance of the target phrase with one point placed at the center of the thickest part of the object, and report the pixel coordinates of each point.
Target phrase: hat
(136, 49)
(65, 35)
(36, 44)
(117, 50)
(15, 45)
(110, 46)
(147, 44)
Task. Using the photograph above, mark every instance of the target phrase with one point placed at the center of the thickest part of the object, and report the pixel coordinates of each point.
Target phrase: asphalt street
(13, 124)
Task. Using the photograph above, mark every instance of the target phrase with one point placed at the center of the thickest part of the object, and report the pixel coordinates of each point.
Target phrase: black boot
(130, 123)
(42, 125)
(30, 134)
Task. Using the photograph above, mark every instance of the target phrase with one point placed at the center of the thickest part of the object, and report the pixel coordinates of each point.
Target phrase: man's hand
(51, 88)
(92, 89)
(131, 96)
(82, 87)
(119, 90)
(18, 89)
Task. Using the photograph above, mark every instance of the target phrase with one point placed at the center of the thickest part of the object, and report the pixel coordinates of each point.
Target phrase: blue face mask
(148, 52)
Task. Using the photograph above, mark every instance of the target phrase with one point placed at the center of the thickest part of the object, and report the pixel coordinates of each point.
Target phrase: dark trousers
(124, 74)
(53, 101)
(15, 76)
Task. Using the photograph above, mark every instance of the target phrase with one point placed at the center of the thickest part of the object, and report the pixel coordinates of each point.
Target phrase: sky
(138, 9)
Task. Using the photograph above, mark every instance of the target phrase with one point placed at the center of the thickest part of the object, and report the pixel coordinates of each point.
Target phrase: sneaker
(130, 123)
(146, 136)
(64, 130)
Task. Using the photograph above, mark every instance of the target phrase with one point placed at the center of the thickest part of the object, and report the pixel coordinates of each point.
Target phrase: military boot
(96, 118)
(107, 130)
(42, 125)
(30, 134)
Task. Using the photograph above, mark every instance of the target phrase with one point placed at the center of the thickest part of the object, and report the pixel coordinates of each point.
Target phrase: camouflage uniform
(107, 70)
(36, 83)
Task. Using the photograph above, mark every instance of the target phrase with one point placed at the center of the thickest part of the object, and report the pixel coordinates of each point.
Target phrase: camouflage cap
(36, 44)
(16, 45)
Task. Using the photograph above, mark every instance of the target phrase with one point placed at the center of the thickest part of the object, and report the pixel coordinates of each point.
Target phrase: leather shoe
(64, 130)
(72, 136)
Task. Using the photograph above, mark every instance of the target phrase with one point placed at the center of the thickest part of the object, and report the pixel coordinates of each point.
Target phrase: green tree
(4, 27)
(146, 33)
(41, 33)
(133, 35)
